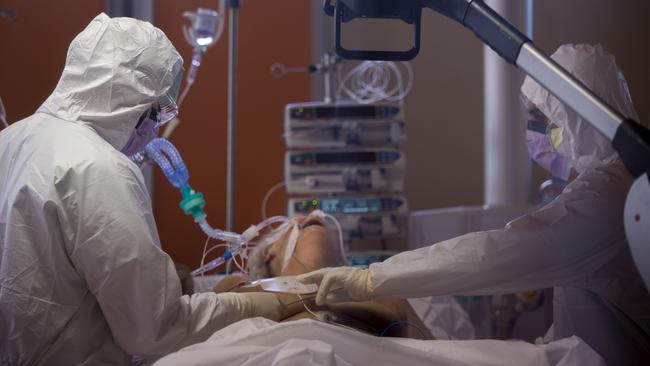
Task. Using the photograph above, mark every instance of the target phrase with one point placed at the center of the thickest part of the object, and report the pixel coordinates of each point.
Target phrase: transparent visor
(167, 107)
(538, 122)
(535, 119)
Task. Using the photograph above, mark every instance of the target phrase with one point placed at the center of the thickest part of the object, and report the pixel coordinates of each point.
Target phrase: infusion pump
(347, 159)
(341, 171)
(326, 125)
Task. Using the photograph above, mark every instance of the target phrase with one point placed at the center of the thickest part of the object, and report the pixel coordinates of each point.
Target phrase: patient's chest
(379, 317)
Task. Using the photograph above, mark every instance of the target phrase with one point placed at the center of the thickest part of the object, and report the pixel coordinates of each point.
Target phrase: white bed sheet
(259, 341)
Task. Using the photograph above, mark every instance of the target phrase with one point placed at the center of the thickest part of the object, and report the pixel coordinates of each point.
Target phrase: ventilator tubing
(170, 162)
(237, 241)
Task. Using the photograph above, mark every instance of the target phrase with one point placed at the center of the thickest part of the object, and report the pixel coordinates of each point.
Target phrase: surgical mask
(145, 131)
(542, 148)
(544, 140)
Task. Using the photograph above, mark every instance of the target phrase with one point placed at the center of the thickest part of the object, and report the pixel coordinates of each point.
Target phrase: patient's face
(317, 247)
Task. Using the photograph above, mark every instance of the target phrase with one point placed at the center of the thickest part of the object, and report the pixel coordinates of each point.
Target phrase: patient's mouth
(312, 222)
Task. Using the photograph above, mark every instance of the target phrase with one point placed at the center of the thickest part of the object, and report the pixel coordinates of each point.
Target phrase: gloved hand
(238, 306)
(339, 284)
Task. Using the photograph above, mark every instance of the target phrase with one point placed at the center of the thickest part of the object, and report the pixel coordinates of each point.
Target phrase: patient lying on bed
(317, 247)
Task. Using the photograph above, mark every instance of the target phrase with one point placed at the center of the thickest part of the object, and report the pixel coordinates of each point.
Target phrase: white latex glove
(240, 306)
(339, 284)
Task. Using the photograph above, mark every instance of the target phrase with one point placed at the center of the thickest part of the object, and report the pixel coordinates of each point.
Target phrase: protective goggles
(166, 107)
(538, 122)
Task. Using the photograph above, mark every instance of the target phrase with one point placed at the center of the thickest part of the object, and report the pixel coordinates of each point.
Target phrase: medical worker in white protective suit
(576, 243)
(82, 277)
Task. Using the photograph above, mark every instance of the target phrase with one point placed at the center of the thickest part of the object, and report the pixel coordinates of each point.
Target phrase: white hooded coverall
(83, 280)
(576, 242)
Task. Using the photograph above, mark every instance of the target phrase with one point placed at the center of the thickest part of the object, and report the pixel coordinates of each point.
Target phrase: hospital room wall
(445, 109)
(33, 49)
(269, 32)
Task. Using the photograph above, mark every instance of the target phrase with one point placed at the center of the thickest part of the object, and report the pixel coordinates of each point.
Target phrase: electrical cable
(222, 245)
(328, 321)
(307, 307)
(240, 266)
(205, 248)
(267, 196)
(341, 245)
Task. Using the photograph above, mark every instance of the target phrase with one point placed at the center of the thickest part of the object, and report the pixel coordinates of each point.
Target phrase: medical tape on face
(291, 244)
(277, 233)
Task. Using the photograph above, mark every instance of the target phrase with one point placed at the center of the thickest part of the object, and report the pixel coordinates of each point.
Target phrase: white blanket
(260, 341)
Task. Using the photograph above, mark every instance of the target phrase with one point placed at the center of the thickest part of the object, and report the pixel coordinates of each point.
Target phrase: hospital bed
(260, 341)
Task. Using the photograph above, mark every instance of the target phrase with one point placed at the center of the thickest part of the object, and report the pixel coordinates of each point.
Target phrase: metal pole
(232, 113)
(507, 165)
(320, 42)
(328, 63)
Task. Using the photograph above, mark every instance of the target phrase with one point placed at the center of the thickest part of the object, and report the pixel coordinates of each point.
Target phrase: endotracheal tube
(170, 162)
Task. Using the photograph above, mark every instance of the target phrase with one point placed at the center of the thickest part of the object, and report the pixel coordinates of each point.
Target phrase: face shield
(163, 110)
(544, 140)
(538, 122)
(166, 106)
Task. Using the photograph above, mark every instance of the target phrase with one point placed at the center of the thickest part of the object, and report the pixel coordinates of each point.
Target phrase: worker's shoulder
(76, 150)
(609, 181)
(610, 173)
(97, 163)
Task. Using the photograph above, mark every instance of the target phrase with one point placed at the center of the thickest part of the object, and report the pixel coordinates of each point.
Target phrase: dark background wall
(33, 49)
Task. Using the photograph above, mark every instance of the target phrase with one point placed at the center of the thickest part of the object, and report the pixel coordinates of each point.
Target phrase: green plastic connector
(192, 203)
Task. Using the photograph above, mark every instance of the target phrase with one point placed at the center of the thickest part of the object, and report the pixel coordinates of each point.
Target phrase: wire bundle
(374, 81)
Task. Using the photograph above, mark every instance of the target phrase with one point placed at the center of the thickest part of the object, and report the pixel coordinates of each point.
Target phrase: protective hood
(115, 69)
(583, 144)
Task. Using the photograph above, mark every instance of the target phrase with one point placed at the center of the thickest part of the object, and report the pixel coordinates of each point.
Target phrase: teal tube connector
(192, 203)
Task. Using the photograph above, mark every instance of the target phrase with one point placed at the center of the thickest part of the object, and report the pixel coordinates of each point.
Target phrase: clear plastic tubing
(270, 221)
(234, 249)
(239, 239)
(340, 232)
(170, 162)
(212, 264)
(232, 238)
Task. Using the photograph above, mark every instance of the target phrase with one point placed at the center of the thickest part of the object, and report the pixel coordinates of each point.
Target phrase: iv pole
(233, 6)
